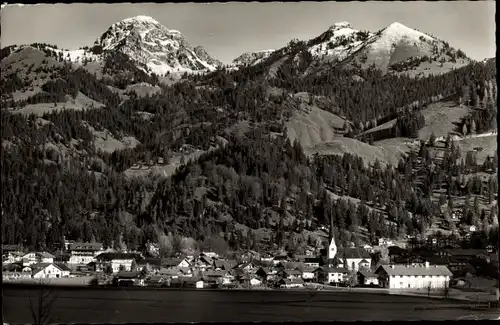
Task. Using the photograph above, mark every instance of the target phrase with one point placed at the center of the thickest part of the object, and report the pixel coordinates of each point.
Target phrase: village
(407, 269)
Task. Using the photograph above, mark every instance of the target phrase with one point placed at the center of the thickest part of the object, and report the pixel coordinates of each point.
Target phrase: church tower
(332, 248)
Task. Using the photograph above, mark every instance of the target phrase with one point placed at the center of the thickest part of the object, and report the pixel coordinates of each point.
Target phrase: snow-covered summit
(340, 25)
(252, 58)
(140, 18)
(400, 46)
(338, 42)
(151, 44)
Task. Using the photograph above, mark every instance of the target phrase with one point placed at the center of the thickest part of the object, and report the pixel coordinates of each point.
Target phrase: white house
(367, 278)
(12, 257)
(30, 259)
(295, 283)
(47, 271)
(84, 253)
(308, 273)
(330, 274)
(199, 284)
(413, 277)
(45, 257)
(312, 262)
(254, 281)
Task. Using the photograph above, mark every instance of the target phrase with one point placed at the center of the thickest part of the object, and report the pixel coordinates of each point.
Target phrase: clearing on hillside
(488, 145)
(312, 125)
(80, 102)
(385, 154)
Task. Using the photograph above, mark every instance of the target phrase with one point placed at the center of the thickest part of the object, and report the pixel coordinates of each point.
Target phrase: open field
(488, 143)
(169, 305)
(80, 102)
(440, 118)
(312, 125)
(385, 154)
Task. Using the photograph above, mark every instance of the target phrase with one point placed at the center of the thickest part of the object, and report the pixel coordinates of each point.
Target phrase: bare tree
(42, 303)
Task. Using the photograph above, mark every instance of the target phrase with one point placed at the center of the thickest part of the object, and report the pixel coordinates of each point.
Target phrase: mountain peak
(340, 25)
(140, 19)
(397, 25)
(151, 44)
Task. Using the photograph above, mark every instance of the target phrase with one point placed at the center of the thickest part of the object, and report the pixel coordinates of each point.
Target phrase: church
(350, 258)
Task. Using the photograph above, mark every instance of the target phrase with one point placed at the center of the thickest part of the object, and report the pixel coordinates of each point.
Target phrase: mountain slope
(397, 47)
(252, 58)
(149, 43)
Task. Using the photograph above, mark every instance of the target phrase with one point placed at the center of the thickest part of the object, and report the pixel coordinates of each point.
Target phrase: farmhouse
(177, 262)
(12, 257)
(127, 278)
(308, 273)
(48, 271)
(295, 283)
(413, 277)
(330, 275)
(312, 261)
(367, 278)
(36, 258)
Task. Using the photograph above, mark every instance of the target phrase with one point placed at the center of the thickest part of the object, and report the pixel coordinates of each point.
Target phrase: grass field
(488, 143)
(80, 102)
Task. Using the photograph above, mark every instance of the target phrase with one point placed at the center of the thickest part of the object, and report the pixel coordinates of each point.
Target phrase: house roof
(190, 279)
(184, 270)
(436, 260)
(237, 272)
(364, 261)
(40, 266)
(62, 266)
(464, 252)
(165, 271)
(292, 281)
(433, 270)
(332, 270)
(45, 255)
(117, 256)
(352, 252)
(85, 246)
(219, 263)
(312, 260)
(293, 272)
(265, 269)
(214, 273)
(367, 274)
(309, 269)
(280, 258)
(156, 278)
(128, 274)
(150, 261)
(174, 261)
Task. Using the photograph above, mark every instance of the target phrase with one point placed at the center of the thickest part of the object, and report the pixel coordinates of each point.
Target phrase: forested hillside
(56, 181)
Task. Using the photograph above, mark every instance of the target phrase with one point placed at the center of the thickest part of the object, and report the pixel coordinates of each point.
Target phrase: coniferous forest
(56, 184)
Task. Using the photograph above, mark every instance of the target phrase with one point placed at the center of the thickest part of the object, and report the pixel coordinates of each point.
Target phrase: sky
(226, 30)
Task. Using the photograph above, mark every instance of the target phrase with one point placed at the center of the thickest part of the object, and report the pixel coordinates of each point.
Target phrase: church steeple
(332, 248)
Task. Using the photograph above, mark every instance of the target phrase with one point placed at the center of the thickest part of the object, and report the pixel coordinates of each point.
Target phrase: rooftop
(432, 270)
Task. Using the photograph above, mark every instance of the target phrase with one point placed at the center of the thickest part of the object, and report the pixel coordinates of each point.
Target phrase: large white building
(413, 276)
(84, 253)
(116, 261)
